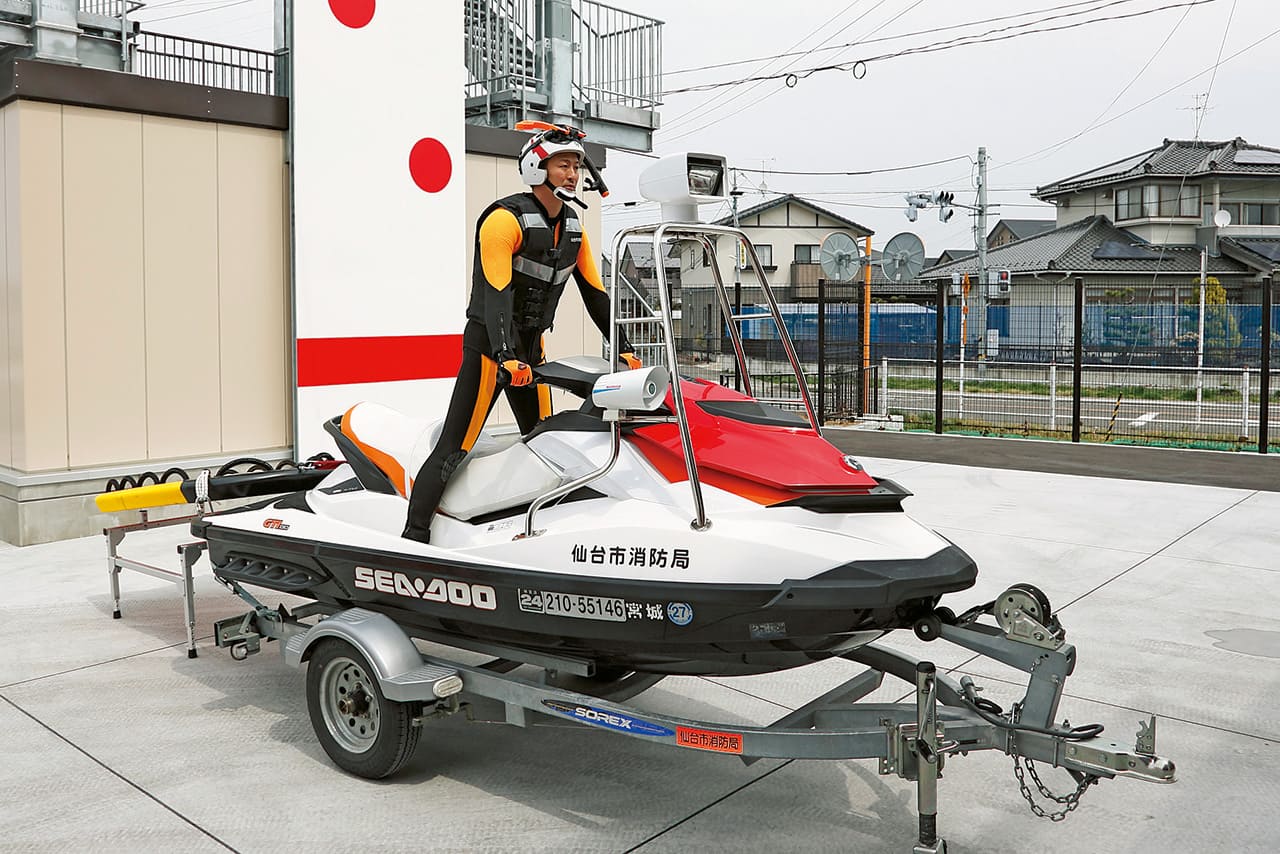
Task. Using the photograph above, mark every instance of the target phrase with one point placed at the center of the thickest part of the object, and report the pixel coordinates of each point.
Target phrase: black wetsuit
(507, 321)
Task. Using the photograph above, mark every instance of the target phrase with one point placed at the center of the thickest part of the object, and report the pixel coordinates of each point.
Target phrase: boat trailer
(370, 691)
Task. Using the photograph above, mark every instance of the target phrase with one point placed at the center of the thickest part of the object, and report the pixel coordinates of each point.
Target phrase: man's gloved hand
(632, 360)
(519, 372)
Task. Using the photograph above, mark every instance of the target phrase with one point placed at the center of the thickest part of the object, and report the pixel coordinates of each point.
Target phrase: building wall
(146, 288)
(1083, 205)
(782, 228)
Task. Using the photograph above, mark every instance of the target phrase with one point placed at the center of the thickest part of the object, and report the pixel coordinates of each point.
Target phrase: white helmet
(542, 146)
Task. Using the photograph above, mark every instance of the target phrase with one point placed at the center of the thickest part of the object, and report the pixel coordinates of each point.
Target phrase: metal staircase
(576, 61)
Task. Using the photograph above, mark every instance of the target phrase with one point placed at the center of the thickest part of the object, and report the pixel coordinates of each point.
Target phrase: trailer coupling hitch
(1108, 759)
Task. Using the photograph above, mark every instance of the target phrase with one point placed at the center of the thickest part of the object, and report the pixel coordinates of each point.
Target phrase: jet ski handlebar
(594, 379)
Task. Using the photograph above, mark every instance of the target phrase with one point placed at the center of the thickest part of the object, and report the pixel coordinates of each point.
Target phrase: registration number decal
(573, 605)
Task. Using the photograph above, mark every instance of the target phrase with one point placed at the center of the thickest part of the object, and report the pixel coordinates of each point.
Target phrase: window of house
(764, 251)
(1261, 213)
(1150, 200)
(1178, 201)
(1233, 208)
(1128, 203)
(807, 253)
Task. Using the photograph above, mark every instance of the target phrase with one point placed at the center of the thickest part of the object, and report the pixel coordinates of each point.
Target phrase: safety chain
(1071, 800)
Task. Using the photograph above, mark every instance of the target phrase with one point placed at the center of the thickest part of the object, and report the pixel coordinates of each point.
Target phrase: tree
(1221, 328)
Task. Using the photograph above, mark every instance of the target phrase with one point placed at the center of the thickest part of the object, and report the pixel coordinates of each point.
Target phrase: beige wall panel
(37, 338)
(253, 290)
(180, 236)
(106, 334)
(8, 289)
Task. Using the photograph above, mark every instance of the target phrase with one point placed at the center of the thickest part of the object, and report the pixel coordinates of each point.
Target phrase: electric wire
(1053, 149)
(769, 61)
(1155, 275)
(703, 110)
(197, 11)
(789, 76)
(1206, 70)
(930, 31)
(860, 172)
(794, 77)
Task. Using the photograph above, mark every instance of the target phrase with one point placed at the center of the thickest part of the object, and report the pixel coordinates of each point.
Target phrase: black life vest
(539, 270)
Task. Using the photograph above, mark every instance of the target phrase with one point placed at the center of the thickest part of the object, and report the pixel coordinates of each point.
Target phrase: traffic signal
(915, 201)
(944, 198)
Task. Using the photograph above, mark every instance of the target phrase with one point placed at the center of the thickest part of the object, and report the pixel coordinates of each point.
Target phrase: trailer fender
(378, 638)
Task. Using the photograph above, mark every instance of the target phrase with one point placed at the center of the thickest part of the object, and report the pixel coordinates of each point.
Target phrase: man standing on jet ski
(527, 247)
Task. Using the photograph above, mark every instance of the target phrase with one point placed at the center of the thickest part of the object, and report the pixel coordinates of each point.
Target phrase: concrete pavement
(111, 739)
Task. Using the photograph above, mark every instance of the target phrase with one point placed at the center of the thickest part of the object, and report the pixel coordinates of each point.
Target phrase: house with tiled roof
(1153, 213)
(1179, 192)
(1135, 231)
(787, 232)
(1009, 230)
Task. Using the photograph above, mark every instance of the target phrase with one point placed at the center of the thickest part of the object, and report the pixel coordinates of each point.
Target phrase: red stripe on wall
(343, 361)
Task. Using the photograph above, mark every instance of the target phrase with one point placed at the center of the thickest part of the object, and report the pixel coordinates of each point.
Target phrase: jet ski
(802, 555)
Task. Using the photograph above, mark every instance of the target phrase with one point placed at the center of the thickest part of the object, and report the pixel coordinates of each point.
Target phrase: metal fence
(110, 8)
(1138, 372)
(185, 60)
(617, 54)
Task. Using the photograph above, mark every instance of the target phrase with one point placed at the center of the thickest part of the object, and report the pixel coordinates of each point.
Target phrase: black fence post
(860, 368)
(822, 352)
(1264, 382)
(939, 353)
(1077, 361)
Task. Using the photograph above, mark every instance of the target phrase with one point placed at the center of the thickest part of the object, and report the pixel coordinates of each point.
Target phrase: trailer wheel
(362, 731)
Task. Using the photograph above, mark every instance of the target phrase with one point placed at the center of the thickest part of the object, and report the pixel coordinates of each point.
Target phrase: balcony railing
(619, 56)
(617, 60)
(186, 60)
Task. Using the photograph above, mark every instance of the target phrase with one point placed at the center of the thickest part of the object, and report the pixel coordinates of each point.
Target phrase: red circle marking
(430, 165)
(352, 13)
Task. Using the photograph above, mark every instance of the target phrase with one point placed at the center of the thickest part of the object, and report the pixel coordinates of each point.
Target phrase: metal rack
(188, 554)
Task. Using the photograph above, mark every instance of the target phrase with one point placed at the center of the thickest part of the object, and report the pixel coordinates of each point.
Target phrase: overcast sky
(1046, 105)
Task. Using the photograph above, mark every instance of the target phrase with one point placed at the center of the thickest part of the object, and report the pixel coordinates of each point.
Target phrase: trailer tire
(362, 731)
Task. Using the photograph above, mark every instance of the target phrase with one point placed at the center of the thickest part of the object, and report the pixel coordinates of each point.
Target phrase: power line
(897, 37)
(792, 78)
(1199, 118)
(702, 107)
(862, 172)
(1160, 95)
(774, 92)
(1118, 96)
(198, 11)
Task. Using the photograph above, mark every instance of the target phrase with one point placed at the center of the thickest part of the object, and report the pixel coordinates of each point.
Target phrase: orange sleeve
(587, 265)
(499, 239)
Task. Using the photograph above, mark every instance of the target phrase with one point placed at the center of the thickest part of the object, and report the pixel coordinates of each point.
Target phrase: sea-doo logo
(458, 593)
(276, 524)
(606, 719)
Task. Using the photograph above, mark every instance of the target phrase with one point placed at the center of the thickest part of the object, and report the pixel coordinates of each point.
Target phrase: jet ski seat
(499, 473)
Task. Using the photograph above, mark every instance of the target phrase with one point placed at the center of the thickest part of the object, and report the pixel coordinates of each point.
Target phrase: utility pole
(980, 243)
(737, 276)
